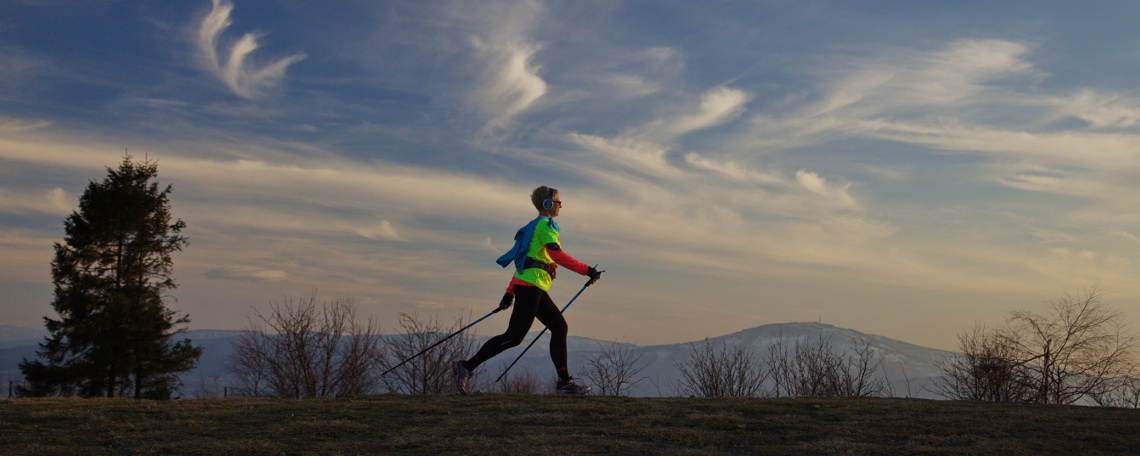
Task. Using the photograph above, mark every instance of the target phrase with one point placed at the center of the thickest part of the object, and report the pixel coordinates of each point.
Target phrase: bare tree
(429, 373)
(817, 369)
(613, 367)
(1074, 350)
(249, 363)
(986, 370)
(1077, 351)
(721, 371)
(300, 350)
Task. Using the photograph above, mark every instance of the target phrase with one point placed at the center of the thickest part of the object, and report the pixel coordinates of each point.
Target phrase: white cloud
(382, 230)
(641, 157)
(903, 79)
(1129, 236)
(971, 97)
(632, 86)
(232, 66)
(665, 59)
(734, 171)
(1101, 110)
(11, 125)
(1093, 149)
(703, 226)
(251, 273)
(507, 77)
(821, 186)
(716, 107)
(510, 84)
(51, 202)
(644, 149)
(962, 70)
(16, 68)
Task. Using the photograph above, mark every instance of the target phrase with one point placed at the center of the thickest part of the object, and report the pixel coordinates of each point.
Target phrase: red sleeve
(565, 260)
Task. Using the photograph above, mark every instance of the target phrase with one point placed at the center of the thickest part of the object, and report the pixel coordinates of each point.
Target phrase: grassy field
(526, 424)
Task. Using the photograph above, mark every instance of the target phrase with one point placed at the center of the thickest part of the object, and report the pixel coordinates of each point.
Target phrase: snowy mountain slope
(909, 369)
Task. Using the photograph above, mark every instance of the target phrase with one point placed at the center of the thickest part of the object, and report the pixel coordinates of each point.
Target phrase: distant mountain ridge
(15, 336)
(909, 368)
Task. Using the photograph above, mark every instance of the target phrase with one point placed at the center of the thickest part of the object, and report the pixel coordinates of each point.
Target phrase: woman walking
(536, 256)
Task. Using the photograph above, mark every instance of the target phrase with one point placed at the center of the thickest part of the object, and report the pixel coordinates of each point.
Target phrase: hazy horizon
(903, 168)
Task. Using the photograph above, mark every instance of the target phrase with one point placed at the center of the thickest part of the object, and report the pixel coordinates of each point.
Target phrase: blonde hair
(540, 194)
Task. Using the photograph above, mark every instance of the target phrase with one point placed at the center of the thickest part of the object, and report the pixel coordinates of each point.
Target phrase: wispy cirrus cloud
(969, 97)
(716, 107)
(642, 157)
(11, 125)
(734, 170)
(1100, 110)
(510, 83)
(230, 62)
(960, 73)
(17, 67)
(645, 148)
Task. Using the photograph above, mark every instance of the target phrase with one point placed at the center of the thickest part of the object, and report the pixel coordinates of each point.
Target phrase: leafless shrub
(524, 381)
(429, 373)
(613, 367)
(721, 371)
(986, 370)
(1123, 392)
(300, 350)
(208, 387)
(817, 369)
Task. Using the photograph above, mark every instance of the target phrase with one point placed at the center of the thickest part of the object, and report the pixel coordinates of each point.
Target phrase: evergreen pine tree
(114, 335)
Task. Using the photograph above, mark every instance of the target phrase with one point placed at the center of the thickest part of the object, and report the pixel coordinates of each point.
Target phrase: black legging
(530, 303)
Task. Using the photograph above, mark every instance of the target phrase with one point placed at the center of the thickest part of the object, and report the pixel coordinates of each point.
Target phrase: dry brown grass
(528, 424)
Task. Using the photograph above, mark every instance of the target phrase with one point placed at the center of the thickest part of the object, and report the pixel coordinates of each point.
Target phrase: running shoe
(461, 376)
(572, 386)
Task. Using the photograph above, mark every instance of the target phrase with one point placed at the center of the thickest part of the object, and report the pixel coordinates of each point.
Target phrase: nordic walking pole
(441, 341)
(544, 328)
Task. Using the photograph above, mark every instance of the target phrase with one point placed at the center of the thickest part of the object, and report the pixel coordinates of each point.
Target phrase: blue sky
(903, 168)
